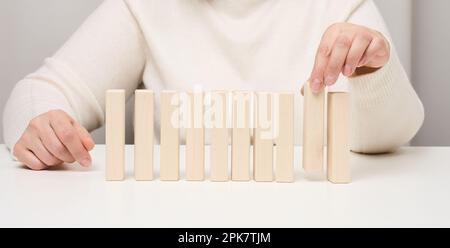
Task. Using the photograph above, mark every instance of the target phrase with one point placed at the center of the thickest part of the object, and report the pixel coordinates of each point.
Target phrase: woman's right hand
(51, 139)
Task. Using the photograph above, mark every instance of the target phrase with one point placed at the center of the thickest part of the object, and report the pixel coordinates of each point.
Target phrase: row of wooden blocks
(273, 154)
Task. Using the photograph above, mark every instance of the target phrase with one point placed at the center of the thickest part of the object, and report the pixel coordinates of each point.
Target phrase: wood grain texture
(263, 138)
(115, 135)
(170, 137)
(313, 130)
(143, 135)
(240, 151)
(338, 150)
(195, 139)
(284, 165)
(219, 138)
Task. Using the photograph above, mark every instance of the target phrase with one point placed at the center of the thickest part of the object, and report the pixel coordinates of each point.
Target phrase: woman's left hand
(348, 48)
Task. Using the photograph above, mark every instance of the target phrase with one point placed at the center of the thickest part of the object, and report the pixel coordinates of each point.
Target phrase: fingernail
(330, 80)
(86, 162)
(382, 53)
(348, 70)
(315, 85)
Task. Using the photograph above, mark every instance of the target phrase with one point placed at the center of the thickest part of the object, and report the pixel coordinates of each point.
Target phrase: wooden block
(170, 137)
(115, 135)
(219, 138)
(240, 150)
(338, 150)
(143, 135)
(195, 139)
(313, 130)
(284, 168)
(263, 138)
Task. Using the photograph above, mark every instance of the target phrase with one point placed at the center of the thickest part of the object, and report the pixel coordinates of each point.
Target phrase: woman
(250, 44)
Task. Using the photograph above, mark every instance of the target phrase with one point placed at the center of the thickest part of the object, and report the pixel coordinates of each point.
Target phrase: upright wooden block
(115, 135)
(263, 138)
(143, 135)
(338, 150)
(313, 130)
(170, 137)
(219, 138)
(240, 151)
(284, 170)
(195, 139)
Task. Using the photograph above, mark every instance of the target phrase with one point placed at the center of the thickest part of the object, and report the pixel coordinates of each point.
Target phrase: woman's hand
(51, 139)
(348, 49)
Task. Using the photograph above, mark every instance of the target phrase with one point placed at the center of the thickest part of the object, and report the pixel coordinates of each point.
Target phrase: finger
(68, 135)
(86, 138)
(35, 145)
(28, 158)
(30, 140)
(54, 145)
(337, 59)
(321, 60)
(377, 48)
(318, 70)
(356, 52)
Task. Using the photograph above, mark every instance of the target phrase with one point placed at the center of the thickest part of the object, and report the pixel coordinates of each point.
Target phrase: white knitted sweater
(266, 45)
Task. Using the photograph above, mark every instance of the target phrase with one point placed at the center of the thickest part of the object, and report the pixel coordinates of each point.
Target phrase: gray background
(31, 30)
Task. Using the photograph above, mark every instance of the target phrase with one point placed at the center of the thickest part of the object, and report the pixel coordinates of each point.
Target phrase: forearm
(386, 111)
(29, 99)
(106, 52)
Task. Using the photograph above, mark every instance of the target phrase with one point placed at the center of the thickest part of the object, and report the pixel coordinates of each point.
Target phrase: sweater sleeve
(386, 111)
(106, 52)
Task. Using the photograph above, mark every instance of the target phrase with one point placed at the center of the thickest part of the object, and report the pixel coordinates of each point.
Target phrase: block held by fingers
(313, 130)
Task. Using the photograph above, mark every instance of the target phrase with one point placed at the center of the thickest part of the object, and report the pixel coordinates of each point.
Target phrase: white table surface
(410, 188)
